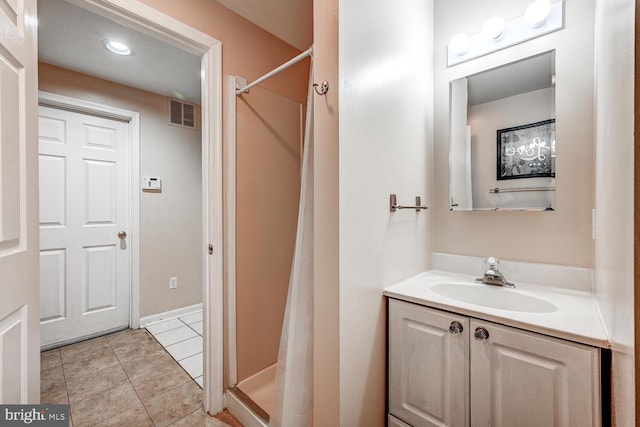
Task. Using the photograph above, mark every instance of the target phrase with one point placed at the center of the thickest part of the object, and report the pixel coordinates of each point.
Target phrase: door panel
(51, 130)
(100, 200)
(529, 380)
(100, 278)
(10, 150)
(428, 368)
(53, 277)
(19, 304)
(13, 360)
(100, 137)
(52, 191)
(84, 202)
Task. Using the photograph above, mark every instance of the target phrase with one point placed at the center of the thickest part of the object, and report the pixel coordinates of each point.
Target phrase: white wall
(385, 134)
(614, 253)
(561, 237)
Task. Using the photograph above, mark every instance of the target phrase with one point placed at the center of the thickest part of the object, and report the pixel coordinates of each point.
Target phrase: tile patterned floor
(123, 379)
(182, 338)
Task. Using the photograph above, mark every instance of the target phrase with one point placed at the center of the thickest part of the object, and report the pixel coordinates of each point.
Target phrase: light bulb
(537, 13)
(493, 28)
(459, 44)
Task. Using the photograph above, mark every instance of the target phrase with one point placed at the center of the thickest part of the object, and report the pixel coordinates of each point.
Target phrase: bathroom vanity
(467, 354)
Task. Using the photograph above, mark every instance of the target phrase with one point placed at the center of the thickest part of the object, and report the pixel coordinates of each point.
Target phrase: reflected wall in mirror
(502, 137)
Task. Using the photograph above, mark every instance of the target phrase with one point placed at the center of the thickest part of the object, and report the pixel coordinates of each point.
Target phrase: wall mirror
(502, 137)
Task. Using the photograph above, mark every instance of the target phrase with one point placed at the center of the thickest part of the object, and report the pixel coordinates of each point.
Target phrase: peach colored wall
(170, 222)
(267, 193)
(326, 304)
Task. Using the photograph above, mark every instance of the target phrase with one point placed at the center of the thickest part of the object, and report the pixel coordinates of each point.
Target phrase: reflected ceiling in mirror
(502, 137)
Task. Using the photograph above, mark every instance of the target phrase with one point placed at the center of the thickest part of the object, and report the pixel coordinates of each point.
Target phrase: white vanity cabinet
(506, 376)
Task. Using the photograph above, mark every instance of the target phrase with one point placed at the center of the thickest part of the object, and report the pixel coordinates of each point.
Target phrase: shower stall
(267, 134)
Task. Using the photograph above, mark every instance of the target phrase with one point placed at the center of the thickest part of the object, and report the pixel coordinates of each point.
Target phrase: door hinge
(210, 249)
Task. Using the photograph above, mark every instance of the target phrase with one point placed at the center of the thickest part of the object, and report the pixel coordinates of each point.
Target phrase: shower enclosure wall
(269, 131)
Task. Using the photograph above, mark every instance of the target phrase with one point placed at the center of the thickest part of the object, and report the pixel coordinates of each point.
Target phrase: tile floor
(123, 379)
(182, 338)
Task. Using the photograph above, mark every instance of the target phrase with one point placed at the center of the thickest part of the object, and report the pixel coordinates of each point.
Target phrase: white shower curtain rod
(307, 53)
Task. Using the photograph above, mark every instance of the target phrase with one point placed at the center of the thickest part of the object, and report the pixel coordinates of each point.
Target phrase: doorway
(145, 19)
(85, 210)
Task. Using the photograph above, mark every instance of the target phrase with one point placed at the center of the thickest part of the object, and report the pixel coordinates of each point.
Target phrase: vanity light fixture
(116, 47)
(493, 28)
(459, 44)
(537, 13)
(541, 17)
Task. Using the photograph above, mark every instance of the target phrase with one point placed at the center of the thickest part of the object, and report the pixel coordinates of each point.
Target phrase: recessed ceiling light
(118, 48)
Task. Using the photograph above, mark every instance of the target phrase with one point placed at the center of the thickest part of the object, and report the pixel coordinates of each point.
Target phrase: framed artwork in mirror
(527, 151)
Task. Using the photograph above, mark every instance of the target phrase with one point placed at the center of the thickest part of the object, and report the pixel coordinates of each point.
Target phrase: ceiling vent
(182, 114)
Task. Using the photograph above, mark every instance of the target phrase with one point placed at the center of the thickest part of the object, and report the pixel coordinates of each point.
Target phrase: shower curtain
(293, 394)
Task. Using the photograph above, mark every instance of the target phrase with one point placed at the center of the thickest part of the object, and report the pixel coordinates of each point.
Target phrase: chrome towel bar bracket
(394, 206)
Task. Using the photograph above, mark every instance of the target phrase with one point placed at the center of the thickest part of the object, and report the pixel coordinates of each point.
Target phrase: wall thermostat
(151, 183)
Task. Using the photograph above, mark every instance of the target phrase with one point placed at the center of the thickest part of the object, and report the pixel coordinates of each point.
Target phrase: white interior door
(19, 332)
(84, 218)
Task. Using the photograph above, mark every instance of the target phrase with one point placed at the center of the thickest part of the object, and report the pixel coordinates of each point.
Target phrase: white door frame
(53, 100)
(141, 17)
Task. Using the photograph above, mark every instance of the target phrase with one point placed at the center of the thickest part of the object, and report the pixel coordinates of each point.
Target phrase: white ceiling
(70, 37)
(524, 76)
(289, 20)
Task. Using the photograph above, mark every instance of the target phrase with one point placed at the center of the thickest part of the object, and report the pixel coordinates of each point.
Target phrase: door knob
(122, 235)
(455, 328)
(481, 334)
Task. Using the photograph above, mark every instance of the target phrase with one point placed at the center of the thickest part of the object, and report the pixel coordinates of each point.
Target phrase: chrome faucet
(492, 276)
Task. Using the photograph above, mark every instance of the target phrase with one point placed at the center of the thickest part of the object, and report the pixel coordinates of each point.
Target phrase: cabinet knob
(455, 328)
(481, 334)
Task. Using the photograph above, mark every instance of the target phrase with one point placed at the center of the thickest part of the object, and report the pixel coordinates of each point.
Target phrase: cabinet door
(428, 366)
(525, 379)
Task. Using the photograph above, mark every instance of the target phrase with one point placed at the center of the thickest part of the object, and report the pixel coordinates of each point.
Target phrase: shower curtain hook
(324, 88)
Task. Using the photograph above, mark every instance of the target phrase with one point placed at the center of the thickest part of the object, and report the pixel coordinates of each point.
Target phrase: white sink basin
(494, 297)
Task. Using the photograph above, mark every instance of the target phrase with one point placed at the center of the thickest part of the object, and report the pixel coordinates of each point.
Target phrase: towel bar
(394, 206)
(512, 190)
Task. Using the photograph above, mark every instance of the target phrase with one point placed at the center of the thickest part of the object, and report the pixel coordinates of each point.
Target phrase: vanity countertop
(575, 317)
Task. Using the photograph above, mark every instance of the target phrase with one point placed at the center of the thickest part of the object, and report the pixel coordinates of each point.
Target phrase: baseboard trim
(51, 346)
(171, 314)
